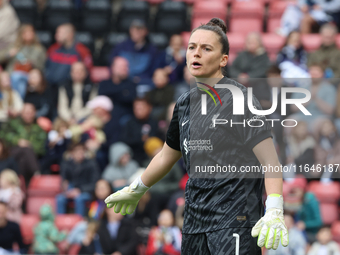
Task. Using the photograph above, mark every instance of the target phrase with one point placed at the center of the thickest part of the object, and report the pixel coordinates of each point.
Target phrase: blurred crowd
(97, 137)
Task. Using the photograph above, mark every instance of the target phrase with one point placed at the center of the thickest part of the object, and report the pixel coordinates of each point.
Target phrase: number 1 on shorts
(237, 248)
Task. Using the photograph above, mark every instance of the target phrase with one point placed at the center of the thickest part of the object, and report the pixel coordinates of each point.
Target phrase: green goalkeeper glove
(271, 227)
(125, 200)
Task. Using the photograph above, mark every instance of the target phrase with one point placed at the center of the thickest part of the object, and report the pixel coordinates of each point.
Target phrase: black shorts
(220, 242)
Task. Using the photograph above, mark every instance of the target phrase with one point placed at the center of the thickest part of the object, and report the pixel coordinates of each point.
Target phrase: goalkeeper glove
(125, 200)
(271, 227)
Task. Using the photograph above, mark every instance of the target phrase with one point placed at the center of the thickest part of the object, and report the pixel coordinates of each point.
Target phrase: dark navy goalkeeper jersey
(223, 200)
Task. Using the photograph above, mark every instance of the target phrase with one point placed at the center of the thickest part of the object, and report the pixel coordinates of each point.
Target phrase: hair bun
(219, 23)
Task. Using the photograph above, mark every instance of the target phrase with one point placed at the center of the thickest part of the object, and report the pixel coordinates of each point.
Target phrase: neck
(3, 222)
(210, 81)
(68, 44)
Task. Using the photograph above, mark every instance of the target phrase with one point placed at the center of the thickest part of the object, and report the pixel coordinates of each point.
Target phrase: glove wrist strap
(274, 201)
(138, 186)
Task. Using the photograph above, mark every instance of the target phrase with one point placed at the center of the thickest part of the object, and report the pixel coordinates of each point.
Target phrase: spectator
(166, 238)
(309, 216)
(46, 234)
(27, 140)
(121, 166)
(58, 140)
(324, 245)
(172, 59)
(251, 63)
(75, 93)
(11, 194)
(117, 235)
(322, 103)
(328, 54)
(300, 146)
(96, 212)
(122, 91)
(6, 160)
(292, 56)
(10, 101)
(90, 243)
(183, 86)
(79, 176)
(318, 12)
(162, 95)
(140, 128)
(297, 244)
(61, 56)
(9, 24)
(163, 190)
(9, 231)
(139, 52)
(37, 94)
(90, 130)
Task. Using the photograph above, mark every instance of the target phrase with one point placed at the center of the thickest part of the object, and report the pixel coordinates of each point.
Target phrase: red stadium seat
(232, 56)
(336, 231)
(326, 193)
(329, 213)
(67, 221)
(236, 41)
(27, 225)
(273, 24)
(276, 9)
(100, 73)
(311, 42)
(249, 9)
(196, 22)
(34, 203)
(245, 25)
(185, 37)
(44, 185)
(74, 249)
(272, 42)
(210, 9)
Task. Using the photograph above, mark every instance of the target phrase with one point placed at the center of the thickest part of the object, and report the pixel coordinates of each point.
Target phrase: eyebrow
(204, 44)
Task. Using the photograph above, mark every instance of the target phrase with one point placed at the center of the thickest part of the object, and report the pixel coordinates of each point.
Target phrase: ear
(224, 60)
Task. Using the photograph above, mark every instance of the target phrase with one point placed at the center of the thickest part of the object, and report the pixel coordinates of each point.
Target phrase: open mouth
(196, 64)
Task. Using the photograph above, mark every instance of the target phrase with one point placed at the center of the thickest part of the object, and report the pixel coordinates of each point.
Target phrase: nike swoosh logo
(185, 122)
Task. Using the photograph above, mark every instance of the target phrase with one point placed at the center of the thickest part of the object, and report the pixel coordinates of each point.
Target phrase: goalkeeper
(222, 215)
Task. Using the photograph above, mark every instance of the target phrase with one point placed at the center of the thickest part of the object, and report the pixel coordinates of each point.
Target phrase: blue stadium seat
(26, 10)
(174, 13)
(58, 12)
(132, 10)
(96, 17)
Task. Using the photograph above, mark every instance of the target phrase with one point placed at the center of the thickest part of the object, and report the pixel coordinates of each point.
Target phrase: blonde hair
(20, 42)
(58, 123)
(10, 176)
(9, 90)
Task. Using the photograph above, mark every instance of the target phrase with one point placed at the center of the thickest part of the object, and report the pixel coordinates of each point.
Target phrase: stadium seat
(67, 221)
(326, 193)
(275, 11)
(111, 41)
(74, 249)
(242, 9)
(99, 73)
(272, 42)
(231, 57)
(44, 185)
(236, 41)
(27, 224)
(185, 37)
(22, 181)
(311, 42)
(329, 213)
(160, 40)
(132, 10)
(210, 9)
(336, 231)
(26, 10)
(174, 13)
(34, 203)
(45, 38)
(96, 16)
(153, 2)
(86, 39)
(190, 2)
(58, 12)
(196, 22)
(245, 25)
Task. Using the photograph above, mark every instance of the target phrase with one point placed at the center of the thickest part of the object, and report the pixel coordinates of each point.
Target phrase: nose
(197, 52)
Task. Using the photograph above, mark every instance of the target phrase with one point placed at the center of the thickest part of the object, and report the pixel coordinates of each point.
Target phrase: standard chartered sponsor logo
(197, 145)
